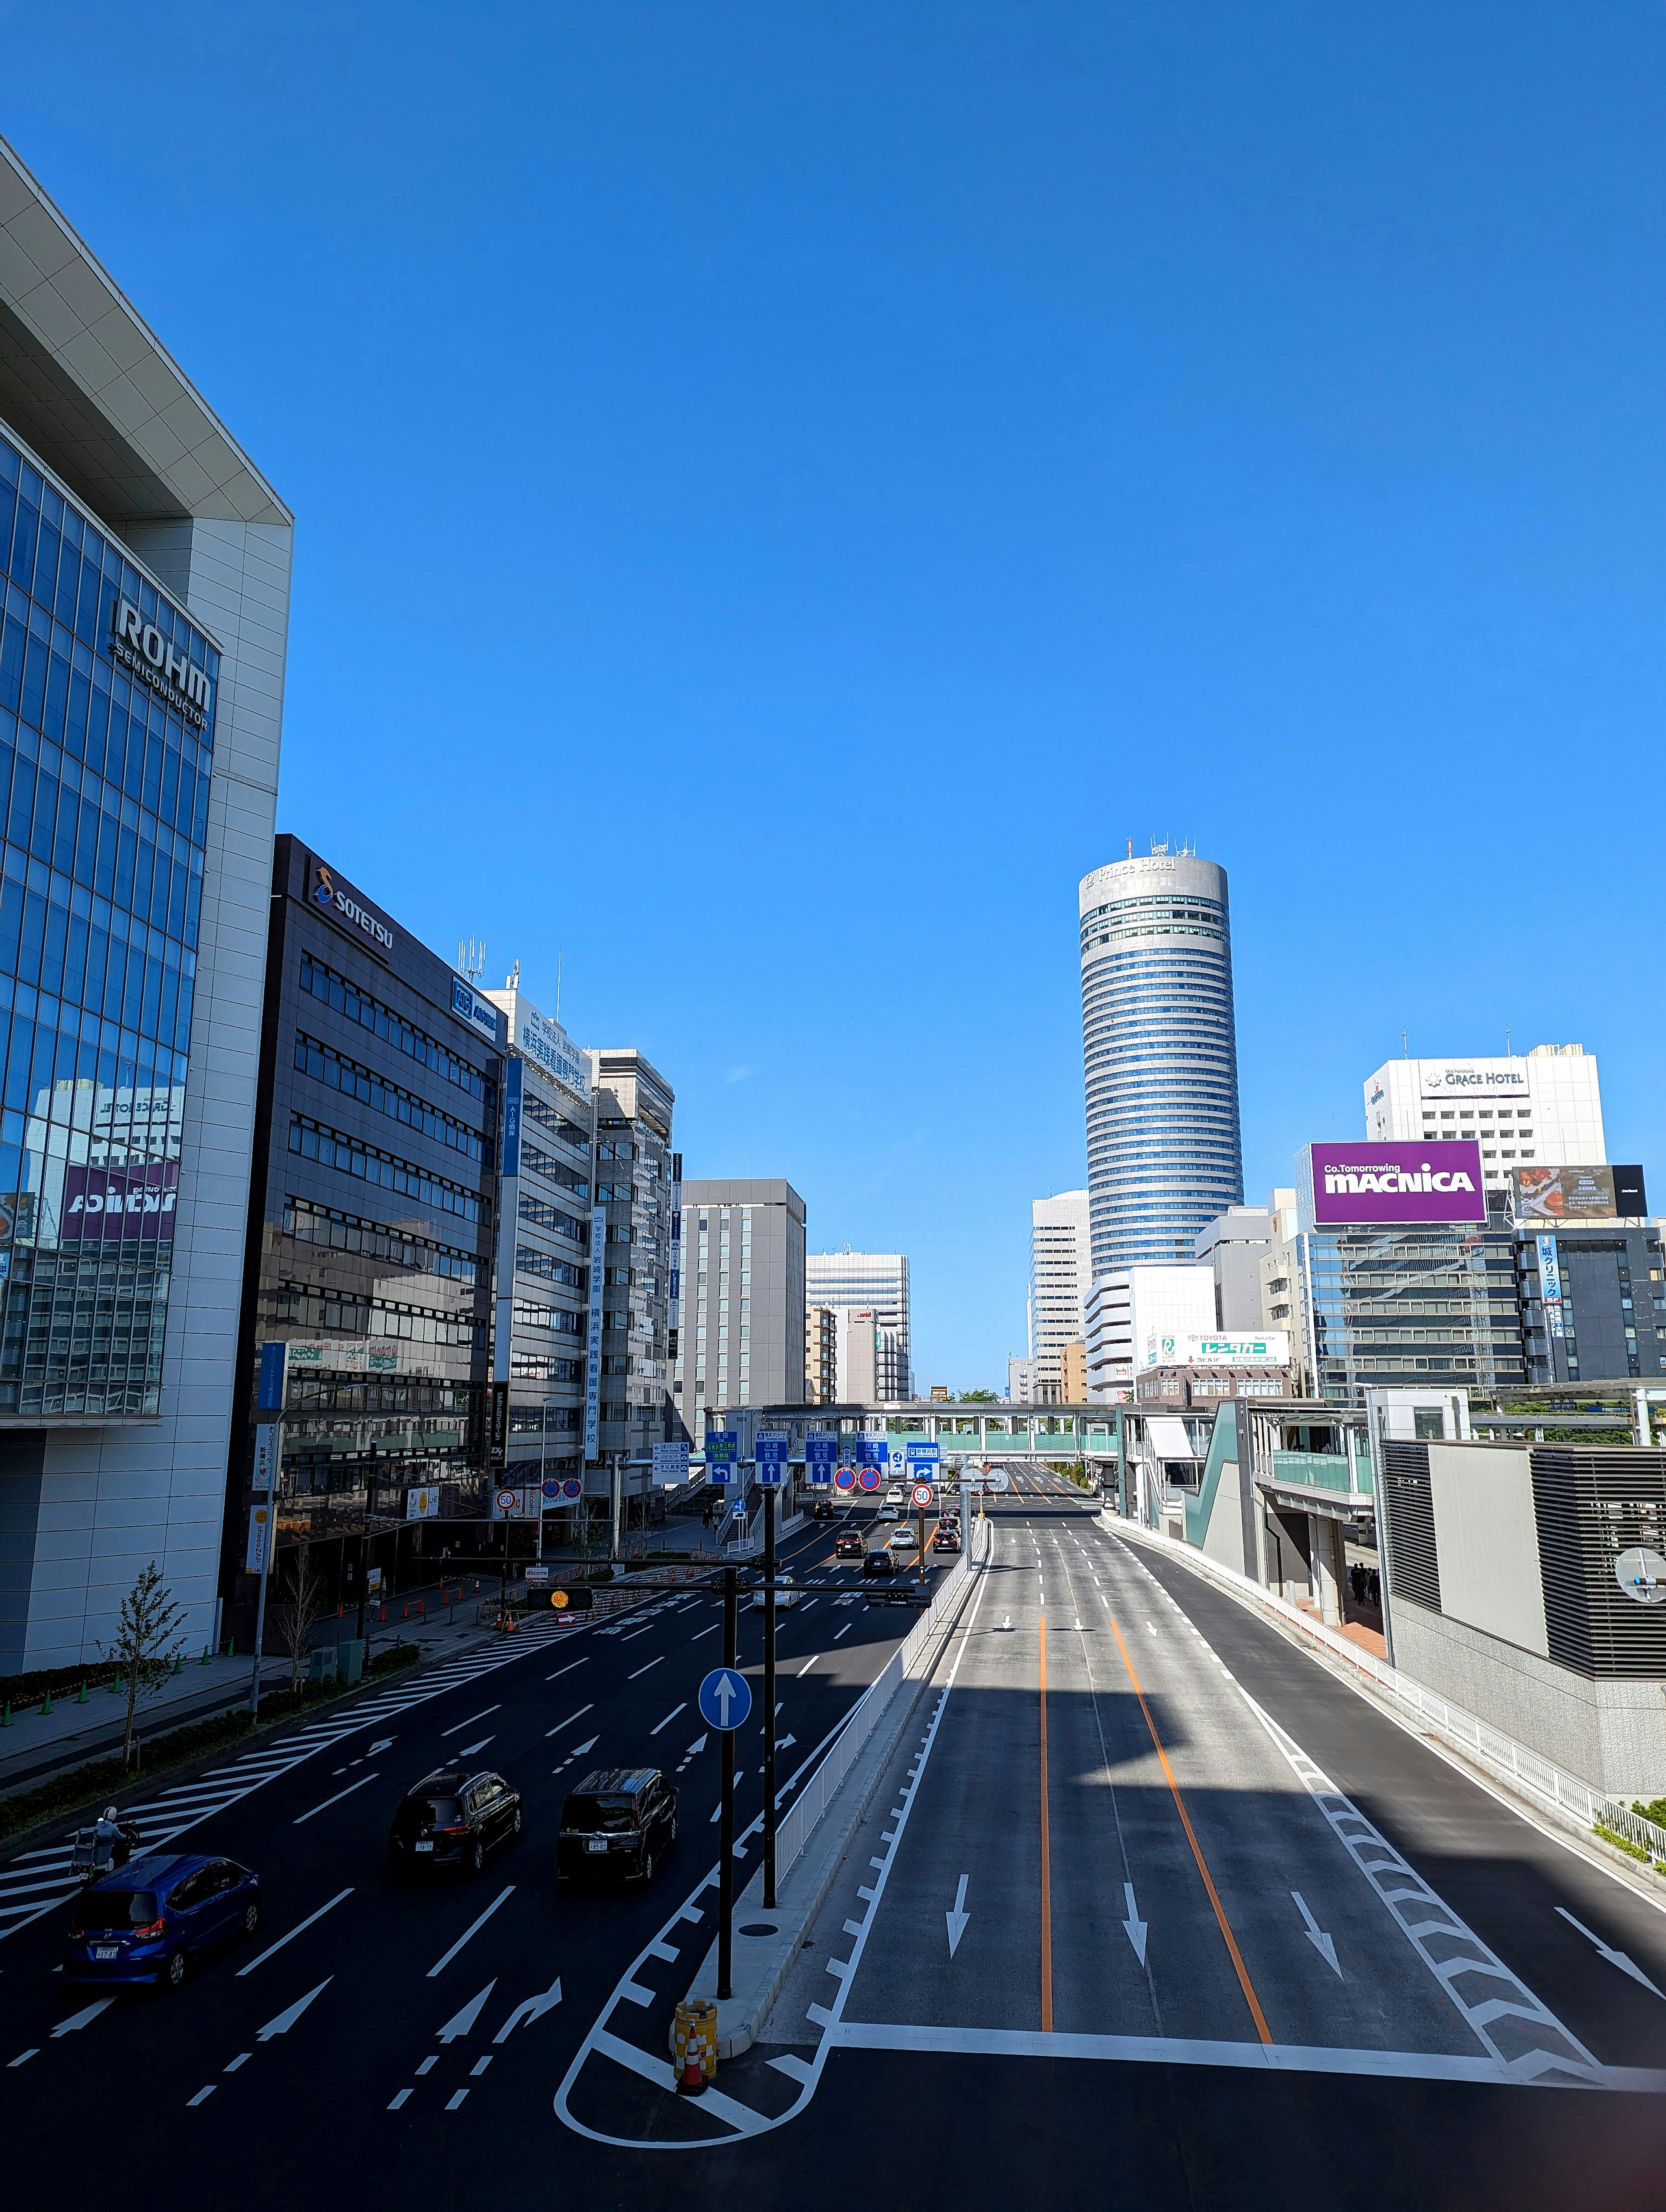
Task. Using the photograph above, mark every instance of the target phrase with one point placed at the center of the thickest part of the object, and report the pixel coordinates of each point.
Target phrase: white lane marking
(283, 2021)
(670, 1717)
(241, 2059)
(468, 1750)
(300, 1927)
(1614, 1957)
(1181, 2050)
(458, 1726)
(440, 1965)
(804, 1669)
(568, 1721)
(1528, 2039)
(1134, 1927)
(461, 2022)
(699, 1633)
(845, 1630)
(531, 2009)
(201, 2096)
(957, 1917)
(363, 1782)
(428, 2063)
(566, 1669)
(34, 2051)
(481, 2065)
(397, 2099)
(1317, 1935)
(455, 2099)
(643, 1670)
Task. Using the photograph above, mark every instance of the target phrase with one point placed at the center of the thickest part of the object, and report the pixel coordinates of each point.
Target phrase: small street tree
(146, 1643)
(302, 1612)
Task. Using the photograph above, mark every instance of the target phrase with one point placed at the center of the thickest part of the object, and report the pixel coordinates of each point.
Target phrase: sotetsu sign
(1367, 1183)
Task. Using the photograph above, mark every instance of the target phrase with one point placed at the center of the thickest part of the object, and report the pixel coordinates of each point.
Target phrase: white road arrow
(382, 1743)
(579, 1749)
(958, 1917)
(1614, 1957)
(695, 1747)
(1134, 1927)
(529, 2010)
(1316, 1936)
(781, 1742)
(461, 2022)
(82, 2019)
(286, 2020)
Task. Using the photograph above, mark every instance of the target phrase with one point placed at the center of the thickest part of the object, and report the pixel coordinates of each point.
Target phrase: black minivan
(618, 1823)
(450, 1820)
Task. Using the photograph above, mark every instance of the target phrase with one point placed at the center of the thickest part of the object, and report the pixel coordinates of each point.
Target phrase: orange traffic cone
(693, 2083)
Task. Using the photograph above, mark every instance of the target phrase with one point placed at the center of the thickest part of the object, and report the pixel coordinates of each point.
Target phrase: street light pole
(769, 1697)
(726, 1805)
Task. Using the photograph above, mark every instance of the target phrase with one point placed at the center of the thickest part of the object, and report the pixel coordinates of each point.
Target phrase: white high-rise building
(1126, 1308)
(1544, 1106)
(1061, 1269)
(877, 1282)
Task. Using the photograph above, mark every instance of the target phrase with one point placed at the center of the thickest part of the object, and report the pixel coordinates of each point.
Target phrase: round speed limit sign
(922, 1494)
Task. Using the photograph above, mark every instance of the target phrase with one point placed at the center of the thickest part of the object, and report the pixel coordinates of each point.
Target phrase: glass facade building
(1402, 1308)
(1159, 1058)
(636, 1196)
(108, 694)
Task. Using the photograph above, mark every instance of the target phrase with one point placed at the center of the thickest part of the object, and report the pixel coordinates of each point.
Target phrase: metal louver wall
(1590, 1506)
(1407, 1524)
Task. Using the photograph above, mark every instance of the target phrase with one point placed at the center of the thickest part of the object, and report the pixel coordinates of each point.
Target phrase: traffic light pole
(726, 1804)
(769, 1699)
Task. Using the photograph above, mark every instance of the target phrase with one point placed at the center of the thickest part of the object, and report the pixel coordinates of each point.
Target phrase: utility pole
(769, 1699)
(726, 1804)
(269, 1461)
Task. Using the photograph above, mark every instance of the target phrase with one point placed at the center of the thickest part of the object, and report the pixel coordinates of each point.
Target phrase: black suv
(618, 1823)
(451, 1819)
(879, 1561)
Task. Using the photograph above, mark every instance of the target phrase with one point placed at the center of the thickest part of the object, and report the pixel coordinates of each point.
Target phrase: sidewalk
(37, 1746)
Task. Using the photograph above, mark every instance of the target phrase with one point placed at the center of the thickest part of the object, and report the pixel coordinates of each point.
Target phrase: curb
(762, 1963)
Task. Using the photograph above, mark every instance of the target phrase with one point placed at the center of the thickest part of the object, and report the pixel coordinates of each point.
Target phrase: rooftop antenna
(511, 980)
(1506, 1040)
(471, 958)
(1130, 848)
(1404, 1047)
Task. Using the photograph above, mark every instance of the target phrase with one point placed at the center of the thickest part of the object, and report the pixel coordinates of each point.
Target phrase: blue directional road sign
(923, 1454)
(770, 1449)
(725, 1698)
(722, 1451)
(821, 1455)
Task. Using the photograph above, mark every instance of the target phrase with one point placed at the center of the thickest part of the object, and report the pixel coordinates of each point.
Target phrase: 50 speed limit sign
(922, 1494)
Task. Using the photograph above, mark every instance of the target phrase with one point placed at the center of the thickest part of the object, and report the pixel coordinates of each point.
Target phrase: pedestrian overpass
(1066, 1433)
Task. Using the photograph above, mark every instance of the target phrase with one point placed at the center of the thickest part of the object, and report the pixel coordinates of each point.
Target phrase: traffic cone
(204, 1661)
(693, 2083)
(5, 1717)
(177, 1663)
(81, 1695)
(45, 1704)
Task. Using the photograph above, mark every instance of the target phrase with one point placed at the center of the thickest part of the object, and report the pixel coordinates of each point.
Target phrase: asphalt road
(1192, 2045)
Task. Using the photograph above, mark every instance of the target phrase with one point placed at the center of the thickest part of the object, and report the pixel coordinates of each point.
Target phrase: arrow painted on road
(696, 1747)
(382, 1743)
(529, 2010)
(1134, 1927)
(82, 2019)
(461, 2022)
(781, 1742)
(1316, 1936)
(958, 1917)
(1614, 1957)
(579, 1749)
(286, 2020)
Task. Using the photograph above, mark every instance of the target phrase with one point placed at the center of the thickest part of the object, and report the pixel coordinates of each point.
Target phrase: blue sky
(785, 490)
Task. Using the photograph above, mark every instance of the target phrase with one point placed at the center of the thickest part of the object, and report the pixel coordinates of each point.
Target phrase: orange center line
(1046, 1859)
(1238, 1966)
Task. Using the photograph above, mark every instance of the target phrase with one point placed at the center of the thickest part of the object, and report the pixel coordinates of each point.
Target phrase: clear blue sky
(783, 490)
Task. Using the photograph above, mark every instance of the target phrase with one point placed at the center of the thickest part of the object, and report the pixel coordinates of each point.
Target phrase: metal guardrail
(1528, 1771)
(909, 1659)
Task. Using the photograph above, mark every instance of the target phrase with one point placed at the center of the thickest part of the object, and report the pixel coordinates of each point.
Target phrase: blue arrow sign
(770, 1449)
(725, 1698)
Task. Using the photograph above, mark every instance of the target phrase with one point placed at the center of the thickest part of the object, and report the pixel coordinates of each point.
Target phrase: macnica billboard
(1365, 1184)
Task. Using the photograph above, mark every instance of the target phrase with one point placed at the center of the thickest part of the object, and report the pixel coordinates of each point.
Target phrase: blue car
(142, 1927)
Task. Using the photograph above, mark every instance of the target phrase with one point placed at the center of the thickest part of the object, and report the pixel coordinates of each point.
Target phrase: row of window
(346, 1232)
(357, 1004)
(68, 957)
(328, 1067)
(535, 1107)
(556, 1318)
(331, 1148)
(297, 1305)
(549, 1270)
(554, 1170)
(552, 1217)
(101, 838)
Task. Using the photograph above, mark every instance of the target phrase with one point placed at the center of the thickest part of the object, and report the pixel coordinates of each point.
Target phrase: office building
(1400, 1275)
(1129, 1311)
(1232, 1248)
(821, 1355)
(370, 1237)
(1061, 1269)
(873, 1280)
(1159, 1057)
(1593, 1302)
(1543, 1106)
(1020, 1380)
(743, 1328)
(543, 1258)
(634, 1193)
(1073, 1372)
(870, 1359)
(145, 563)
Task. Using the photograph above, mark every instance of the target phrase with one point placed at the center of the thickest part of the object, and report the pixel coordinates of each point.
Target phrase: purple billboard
(1369, 1182)
(111, 1202)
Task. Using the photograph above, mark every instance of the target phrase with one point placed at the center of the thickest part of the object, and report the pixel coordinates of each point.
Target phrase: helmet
(108, 1814)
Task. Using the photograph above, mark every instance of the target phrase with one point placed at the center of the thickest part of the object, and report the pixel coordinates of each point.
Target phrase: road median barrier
(815, 1833)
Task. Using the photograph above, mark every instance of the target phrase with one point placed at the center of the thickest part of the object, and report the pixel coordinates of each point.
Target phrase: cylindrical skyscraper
(1160, 1056)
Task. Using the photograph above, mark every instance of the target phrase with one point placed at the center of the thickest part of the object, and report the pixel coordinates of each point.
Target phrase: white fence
(910, 1660)
(1536, 1777)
